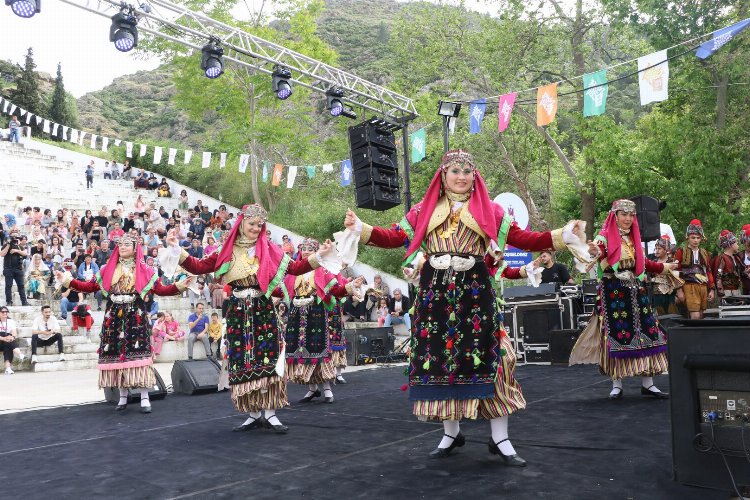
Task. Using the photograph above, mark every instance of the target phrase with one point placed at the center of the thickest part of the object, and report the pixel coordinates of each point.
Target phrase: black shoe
(121, 407)
(617, 395)
(277, 428)
(458, 441)
(146, 409)
(25, 303)
(646, 391)
(509, 460)
(309, 398)
(255, 424)
(340, 379)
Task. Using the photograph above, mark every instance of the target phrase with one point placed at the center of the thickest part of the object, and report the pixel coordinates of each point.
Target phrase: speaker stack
(375, 164)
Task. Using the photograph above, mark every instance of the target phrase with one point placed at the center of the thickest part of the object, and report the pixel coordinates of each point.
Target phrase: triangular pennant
(65, 133)
(418, 145)
(38, 120)
(81, 136)
(28, 118)
(328, 167)
(721, 38)
(54, 128)
(310, 171)
(346, 172)
(46, 128)
(74, 136)
(266, 168)
(118, 142)
(13, 108)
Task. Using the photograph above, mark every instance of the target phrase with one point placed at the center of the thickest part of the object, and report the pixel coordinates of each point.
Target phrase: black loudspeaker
(647, 211)
(195, 376)
(159, 391)
(590, 287)
(528, 293)
(561, 342)
(372, 147)
(534, 323)
(369, 345)
(709, 375)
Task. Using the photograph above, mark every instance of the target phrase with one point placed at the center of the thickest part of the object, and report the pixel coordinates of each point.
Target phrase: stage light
(123, 31)
(446, 108)
(335, 103)
(211, 60)
(280, 82)
(24, 8)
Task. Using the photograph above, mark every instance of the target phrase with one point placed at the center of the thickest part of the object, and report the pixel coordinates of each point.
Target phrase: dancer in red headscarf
(462, 362)
(254, 268)
(125, 355)
(625, 332)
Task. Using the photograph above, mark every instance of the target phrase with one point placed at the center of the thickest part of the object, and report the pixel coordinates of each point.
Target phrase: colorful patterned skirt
(336, 334)
(462, 362)
(254, 346)
(308, 343)
(632, 341)
(125, 355)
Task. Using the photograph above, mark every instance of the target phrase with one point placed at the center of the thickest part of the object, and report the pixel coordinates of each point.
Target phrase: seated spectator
(82, 318)
(139, 204)
(139, 225)
(198, 324)
(103, 217)
(356, 306)
(286, 245)
(151, 239)
(164, 191)
(184, 204)
(165, 329)
(199, 291)
(141, 182)
(398, 310)
(155, 220)
(211, 246)
(154, 264)
(198, 228)
(214, 333)
(379, 289)
(163, 213)
(38, 275)
(216, 231)
(128, 223)
(223, 212)
(69, 301)
(153, 183)
(45, 331)
(126, 170)
(9, 339)
(216, 219)
(92, 248)
(55, 251)
(205, 214)
(217, 294)
(114, 217)
(115, 169)
(88, 269)
(46, 218)
(116, 232)
(382, 311)
(101, 256)
(97, 232)
(282, 311)
(39, 248)
(196, 250)
(151, 306)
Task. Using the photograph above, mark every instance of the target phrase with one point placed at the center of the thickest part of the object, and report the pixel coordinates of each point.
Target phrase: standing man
(45, 331)
(15, 129)
(553, 272)
(13, 253)
(90, 175)
(198, 324)
(695, 269)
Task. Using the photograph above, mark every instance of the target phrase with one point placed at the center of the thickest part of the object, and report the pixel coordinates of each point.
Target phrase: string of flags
(94, 141)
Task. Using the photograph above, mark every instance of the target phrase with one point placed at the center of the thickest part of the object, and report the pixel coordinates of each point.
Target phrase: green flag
(310, 171)
(418, 145)
(266, 167)
(595, 93)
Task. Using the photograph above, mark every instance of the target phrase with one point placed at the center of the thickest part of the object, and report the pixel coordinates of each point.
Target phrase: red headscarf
(611, 232)
(270, 256)
(144, 275)
(488, 214)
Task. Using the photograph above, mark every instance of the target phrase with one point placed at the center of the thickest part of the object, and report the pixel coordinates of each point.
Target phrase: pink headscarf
(611, 232)
(488, 214)
(270, 256)
(144, 275)
(322, 278)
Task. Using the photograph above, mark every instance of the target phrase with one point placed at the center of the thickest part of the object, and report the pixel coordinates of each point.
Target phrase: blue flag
(476, 115)
(346, 172)
(720, 38)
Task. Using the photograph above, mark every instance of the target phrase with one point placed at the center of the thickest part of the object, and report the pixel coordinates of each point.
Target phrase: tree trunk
(534, 216)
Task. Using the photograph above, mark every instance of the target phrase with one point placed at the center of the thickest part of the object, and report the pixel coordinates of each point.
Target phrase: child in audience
(214, 333)
(382, 311)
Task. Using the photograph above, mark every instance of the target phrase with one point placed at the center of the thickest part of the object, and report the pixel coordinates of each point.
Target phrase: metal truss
(192, 29)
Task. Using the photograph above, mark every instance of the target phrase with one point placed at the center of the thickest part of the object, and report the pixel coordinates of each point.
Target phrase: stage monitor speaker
(648, 213)
(561, 343)
(159, 391)
(195, 376)
(377, 197)
(709, 373)
(528, 293)
(534, 323)
(369, 345)
(590, 287)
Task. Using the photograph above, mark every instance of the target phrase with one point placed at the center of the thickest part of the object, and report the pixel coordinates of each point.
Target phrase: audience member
(15, 129)
(184, 204)
(9, 339)
(214, 333)
(45, 331)
(166, 329)
(398, 310)
(382, 310)
(196, 250)
(198, 324)
(379, 289)
(151, 306)
(38, 275)
(553, 272)
(198, 228)
(286, 245)
(13, 253)
(164, 191)
(69, 300)
(101, 256)
(90, 175)
(82, 318)
(107, 171)
(153, 183)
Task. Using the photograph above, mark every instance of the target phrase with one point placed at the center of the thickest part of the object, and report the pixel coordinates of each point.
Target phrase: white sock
(327, 392)
(144, 398)
(253, 416)
(123, 396)
(499, 427)
(271, 417)
(616, 384)
(311, 388)
(338, 371)
(451, 428)
(648, 383)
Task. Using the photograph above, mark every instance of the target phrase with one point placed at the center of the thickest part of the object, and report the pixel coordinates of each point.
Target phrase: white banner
(117, 142)
(157, 155)
(328, 167)
(13, 108)
(73, 136)
(172, 155)
(28, 118)
(188, 155)
(65, 133)
(143, 150)
(206, 160)
(81, 135)
(129, 149)
(243, 163)
(291, 176)
(105, 143)
(5, 106)
(54, 128)
(653, 78)
(223, 160)
(93, 141)
(38, 120)
(21, 112)
(46, 129)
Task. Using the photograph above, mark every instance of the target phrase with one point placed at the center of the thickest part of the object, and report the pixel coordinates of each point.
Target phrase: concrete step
(56, 366)
(48, 358)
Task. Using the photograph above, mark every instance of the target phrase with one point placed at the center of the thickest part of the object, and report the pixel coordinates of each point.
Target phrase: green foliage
(62, 107)
(26, 94)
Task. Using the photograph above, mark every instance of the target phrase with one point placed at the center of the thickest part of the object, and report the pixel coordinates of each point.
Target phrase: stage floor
(579, 445)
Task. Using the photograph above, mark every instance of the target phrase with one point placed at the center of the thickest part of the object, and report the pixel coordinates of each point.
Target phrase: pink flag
(504, 108)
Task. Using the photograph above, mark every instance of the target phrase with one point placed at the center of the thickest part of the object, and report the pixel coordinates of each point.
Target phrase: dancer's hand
(350, 220)
(710, 296)
(185, 282)
(593, 249)
(172, 240)
(680, 296)
(327, 248)
(357, 282)
(670, 266)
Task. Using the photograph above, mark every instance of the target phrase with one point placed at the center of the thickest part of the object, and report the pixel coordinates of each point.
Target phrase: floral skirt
(308, 355)
(125, 355)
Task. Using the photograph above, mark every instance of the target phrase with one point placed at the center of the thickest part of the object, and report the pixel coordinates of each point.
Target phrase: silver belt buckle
(300, 302)
(247, 292)
(123, 299)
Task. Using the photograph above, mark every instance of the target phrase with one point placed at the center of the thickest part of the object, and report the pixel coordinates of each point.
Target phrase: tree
(26, 95)
(59, 110)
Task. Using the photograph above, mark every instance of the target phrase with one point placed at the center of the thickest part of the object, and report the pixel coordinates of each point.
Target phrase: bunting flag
(65, 133)
(504, 109)
(73, 136)
(266, 168)
(37, 118)
(13, 108)
(418, 145)
(243, 162)
(310, 171)
(172, 155)
(46, 128)
(81, 135)
(291, 176)
(129, 149)
(222, 160)
(54, 128)
(105, 143)
(188, 156)
(546, 104)
(93, 141)
(5, 107)
(653, 77)
(117, 142)
(346, 172)
(28, 118)
(476, 115)
(206, 163)
(328, 167)
(21, 112)
(721, 38)
(276, 174)
(595, 93)
(157, 155)
(143, 150)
